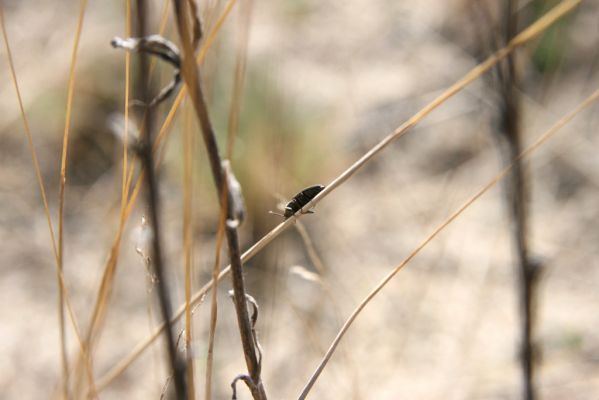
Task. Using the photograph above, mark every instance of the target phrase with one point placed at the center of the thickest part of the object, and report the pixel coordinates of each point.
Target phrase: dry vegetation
(297, 91)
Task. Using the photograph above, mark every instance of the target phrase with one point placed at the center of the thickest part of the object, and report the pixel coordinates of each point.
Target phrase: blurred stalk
(152, 199)
(516, 197)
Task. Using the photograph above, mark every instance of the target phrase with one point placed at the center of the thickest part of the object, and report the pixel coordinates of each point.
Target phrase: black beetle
(301, 199)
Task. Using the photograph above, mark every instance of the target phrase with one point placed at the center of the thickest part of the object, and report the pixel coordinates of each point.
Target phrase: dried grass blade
(542, 139)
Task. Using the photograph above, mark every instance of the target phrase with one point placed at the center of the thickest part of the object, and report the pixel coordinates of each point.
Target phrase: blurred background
(322, 83)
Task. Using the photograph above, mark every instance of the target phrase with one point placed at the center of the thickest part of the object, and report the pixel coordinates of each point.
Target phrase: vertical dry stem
(188, 244)
(147, 160)
(239, 74)
(61, 200)
(192, 81)
(516, 198)
(214, 304)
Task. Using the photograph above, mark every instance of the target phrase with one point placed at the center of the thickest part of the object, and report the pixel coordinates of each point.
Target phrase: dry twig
(192, 82)
(147, 159)
(516, 199)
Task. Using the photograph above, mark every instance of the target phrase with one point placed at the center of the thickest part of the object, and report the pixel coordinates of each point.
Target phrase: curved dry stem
(542, 139)
(528, 34)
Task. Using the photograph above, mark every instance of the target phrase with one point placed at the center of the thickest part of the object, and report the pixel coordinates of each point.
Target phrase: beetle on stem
(300, 200)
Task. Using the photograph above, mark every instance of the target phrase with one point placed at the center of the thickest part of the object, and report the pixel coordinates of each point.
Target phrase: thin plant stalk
(505, 172)
(233, 126)
(152, 199)
(214, 305)
(192, 81)
(42, 189)
(524, 37)
(239, 75)
(188, 244)
(61, 199)
(111, 264)
(126, 111)
(516, 198)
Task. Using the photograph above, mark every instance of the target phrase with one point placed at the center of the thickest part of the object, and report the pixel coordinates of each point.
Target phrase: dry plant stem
(233, 118)
(188, 243)
(525, 36)
(507, 170)
(199, 60)
(111, 264)
(147, 160)
(312, 254)
(195, 23)
(30, 144)
(516, 198)
(110, 268)
(61, 199)
(38, 176)
(239, 74)
(126, 111)
(214, 305)
(192, 82)
(42, 189)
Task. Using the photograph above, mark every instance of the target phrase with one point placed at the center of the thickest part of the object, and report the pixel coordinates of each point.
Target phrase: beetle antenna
(276, 213)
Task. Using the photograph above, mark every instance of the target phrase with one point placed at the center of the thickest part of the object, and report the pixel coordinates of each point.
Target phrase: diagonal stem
(192, 81)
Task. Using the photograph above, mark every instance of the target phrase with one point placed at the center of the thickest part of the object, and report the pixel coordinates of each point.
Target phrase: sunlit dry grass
(94, 362)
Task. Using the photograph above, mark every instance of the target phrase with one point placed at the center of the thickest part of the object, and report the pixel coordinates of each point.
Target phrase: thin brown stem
(111, 263)
(188, 244)
(516, 198)
(192, 81)
(214, 306)
(147, 160)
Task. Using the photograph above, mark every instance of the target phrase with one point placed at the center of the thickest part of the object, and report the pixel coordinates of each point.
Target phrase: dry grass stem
(243, 38)
(61, 197)
(124, 188)
(312, 253)
(188, 244)
(146, 156)
(529, 150)
(110, 267)
(192, 81)
(214, 306)
(42, 190)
